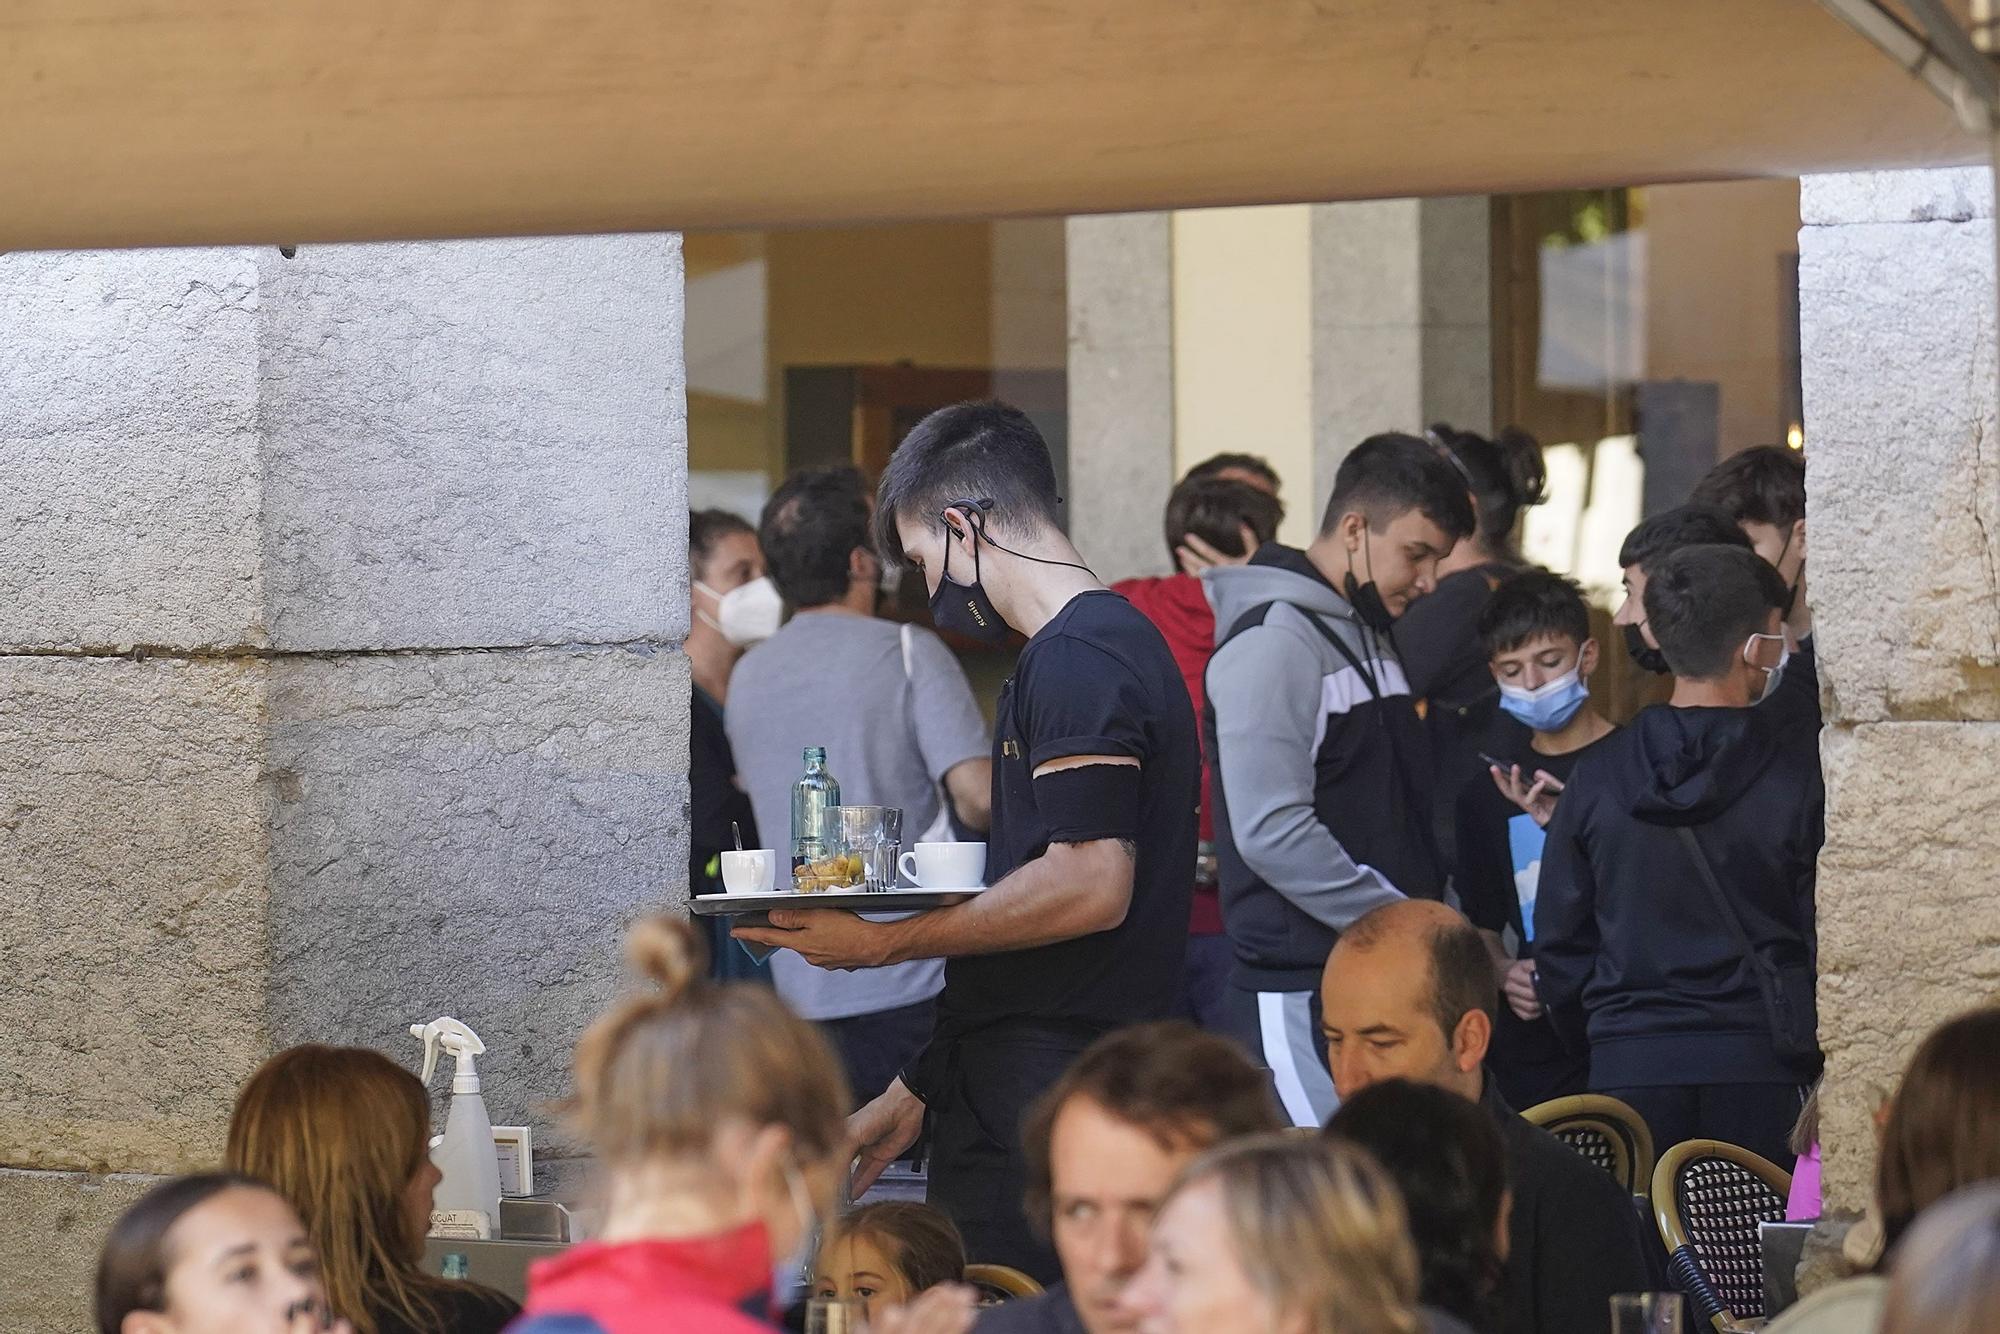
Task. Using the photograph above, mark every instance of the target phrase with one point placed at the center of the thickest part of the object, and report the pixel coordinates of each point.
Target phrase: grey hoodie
(1317, 761)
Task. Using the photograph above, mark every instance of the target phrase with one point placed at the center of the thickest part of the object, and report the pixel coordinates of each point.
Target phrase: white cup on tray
(751, 871)
(945, 865)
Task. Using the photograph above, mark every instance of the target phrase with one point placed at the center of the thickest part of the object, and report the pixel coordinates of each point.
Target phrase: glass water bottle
(814, 798)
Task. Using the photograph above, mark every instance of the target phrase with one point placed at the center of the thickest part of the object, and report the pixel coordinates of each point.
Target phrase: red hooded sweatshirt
(704, 1285)
(1178, 607)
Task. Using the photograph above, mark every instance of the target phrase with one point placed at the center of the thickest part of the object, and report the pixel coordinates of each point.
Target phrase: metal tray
(885, 900)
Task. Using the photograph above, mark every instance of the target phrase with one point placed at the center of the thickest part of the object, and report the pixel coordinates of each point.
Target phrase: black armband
(1090, 802)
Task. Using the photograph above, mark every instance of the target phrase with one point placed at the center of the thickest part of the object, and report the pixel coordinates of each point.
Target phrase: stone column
(1903, 475)
(1121, 389)
(1392, 331)
(339, 684)
(1402, 322)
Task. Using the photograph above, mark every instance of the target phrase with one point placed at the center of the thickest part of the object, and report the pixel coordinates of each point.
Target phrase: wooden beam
(136, 122)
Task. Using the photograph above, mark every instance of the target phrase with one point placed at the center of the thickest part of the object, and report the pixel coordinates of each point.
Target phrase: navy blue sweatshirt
(1628, 939)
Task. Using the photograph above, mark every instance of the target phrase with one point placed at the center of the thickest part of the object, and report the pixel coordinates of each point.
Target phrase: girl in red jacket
(717, 1116)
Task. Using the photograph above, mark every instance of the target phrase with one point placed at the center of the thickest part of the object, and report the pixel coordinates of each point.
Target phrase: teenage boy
(1675, 914)
(1764, 491)
(1229, 520)
(1683, 526)
(1535, 631)
(1319, 768)
(1096, 772)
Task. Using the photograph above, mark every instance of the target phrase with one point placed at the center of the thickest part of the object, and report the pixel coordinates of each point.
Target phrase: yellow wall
(1243, 343)
(875, 296)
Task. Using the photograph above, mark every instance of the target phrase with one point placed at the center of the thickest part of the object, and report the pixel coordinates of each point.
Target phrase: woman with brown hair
(1282, 1235)
(1942, 1135)
(344, 1134)
(719, 1121)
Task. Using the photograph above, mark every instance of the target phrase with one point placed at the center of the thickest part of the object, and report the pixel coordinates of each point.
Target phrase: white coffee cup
(946, 865)
(751, 871)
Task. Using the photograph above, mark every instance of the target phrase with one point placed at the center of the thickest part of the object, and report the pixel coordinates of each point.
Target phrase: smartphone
(1505, 767)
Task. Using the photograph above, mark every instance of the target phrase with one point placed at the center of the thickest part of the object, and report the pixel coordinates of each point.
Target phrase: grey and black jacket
(1318, 765)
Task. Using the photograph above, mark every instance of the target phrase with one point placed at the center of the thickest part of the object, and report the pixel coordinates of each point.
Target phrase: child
(887, 1254)
(1535, 631)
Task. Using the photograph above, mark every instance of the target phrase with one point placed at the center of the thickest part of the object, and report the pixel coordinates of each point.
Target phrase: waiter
(1096, 776)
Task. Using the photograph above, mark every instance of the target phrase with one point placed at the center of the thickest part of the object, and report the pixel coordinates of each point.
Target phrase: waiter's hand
(881, 1132)
(824, 937)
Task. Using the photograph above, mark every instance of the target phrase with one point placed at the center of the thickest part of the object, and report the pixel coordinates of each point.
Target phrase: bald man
(1409, 992)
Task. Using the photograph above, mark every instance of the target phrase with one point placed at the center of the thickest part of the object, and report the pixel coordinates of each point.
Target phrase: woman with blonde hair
(343, 1133)
(1283, 1235)
(719, 1121)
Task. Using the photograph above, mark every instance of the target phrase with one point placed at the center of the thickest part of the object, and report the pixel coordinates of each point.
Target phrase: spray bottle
(468, 1199)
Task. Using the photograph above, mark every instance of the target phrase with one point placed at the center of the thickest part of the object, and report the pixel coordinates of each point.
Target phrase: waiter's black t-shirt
(1498, 844)
(1096, 680)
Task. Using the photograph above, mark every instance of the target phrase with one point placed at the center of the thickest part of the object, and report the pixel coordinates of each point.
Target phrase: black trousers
(875, 1047)
(1759, 1117)
(978, 1169)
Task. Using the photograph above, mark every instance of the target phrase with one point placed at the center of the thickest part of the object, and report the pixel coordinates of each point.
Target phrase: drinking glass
(836, 1315)
(1646, 1313)
(875, 835)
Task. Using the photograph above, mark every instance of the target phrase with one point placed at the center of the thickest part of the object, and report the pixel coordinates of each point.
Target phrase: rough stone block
(1121, 389)
(1903, 466)
(1909, 920)
(132, 945)
(1953, 194)
(56, 1223)
(129, 429)
(469, 834)
(474, 443)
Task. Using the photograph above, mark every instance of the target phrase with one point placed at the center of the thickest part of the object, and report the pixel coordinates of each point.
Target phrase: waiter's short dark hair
(1530, 604)
(1704, 603)
(1762, 485)
(976, 452)
(810, 527)
(1686, 525)
(1216, 510)
(1388, 475)
(1181, 1086)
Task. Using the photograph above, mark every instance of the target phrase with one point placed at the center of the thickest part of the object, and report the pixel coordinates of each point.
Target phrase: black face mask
(1649, 658)
(964, 608)
(1366, 599)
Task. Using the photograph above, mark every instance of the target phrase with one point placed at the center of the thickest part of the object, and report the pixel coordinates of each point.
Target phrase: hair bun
(1521, 458)
(669, 952)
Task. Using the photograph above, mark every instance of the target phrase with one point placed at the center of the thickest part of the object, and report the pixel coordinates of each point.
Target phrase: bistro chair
(1709, 1199)
(1604, 1130)
(998, 1283)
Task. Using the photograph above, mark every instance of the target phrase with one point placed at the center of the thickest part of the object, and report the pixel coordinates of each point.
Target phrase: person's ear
(1799, 538)
(863, 567)
(1586, 659)
(1353, 531)
(1470, 1043)
(760, 1167)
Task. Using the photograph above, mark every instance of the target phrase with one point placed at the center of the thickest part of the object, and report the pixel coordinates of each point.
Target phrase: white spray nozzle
(460, 1041)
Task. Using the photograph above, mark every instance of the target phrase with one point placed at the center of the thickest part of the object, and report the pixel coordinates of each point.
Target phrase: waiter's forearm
(1071, 890)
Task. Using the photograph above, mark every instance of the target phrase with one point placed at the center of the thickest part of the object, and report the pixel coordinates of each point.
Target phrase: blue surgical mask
(1550, 706)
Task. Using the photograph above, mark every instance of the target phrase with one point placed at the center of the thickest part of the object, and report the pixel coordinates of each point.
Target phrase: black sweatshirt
(1626, 935)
